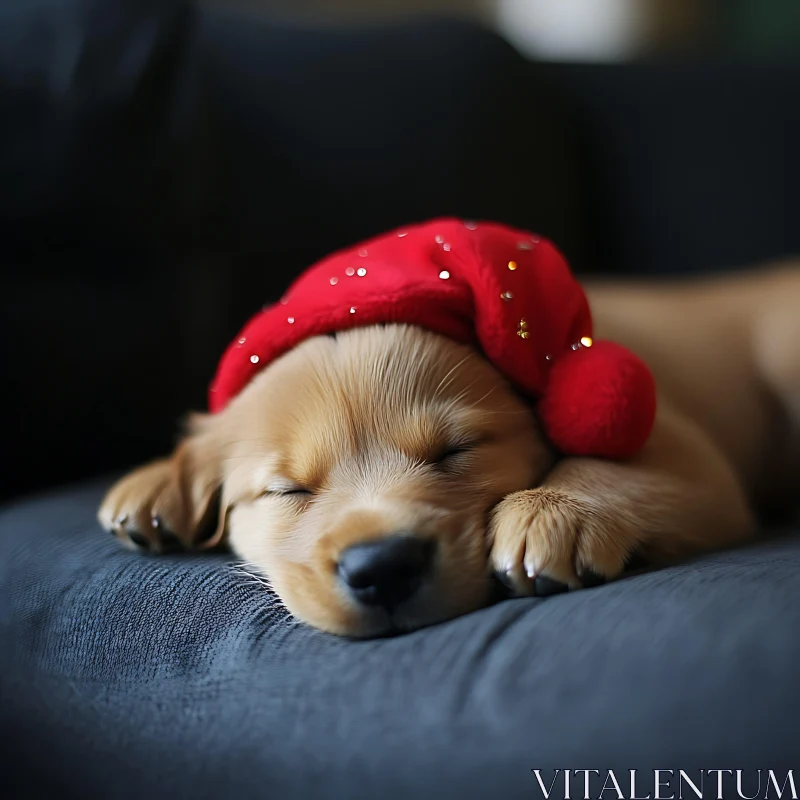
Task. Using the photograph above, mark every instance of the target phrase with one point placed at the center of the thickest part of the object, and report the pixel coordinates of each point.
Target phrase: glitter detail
(512, 265)
(444, 274)
(242, 341)
(522, 331)
(438, 238)
(524, 246)
(447, 246)
(402, 235)
(334, 281)
(361, 272)
(284, 300)
(548, 358)
(363, 253)
(352, 309)
(507, 296)
(254, 359)
(586, 341)
(350, 272)
(290, 320)
(575, 346)
(470, 225)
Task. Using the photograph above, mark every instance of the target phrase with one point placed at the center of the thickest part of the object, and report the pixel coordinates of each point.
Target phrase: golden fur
(361, 421)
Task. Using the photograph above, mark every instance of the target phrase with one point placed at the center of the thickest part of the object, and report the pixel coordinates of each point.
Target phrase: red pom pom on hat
(502, 290)
(599, 401)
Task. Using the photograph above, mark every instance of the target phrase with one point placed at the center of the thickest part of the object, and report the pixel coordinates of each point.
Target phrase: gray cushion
(131, 676)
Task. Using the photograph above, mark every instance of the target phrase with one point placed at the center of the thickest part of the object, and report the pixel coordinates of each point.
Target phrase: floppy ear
(173, 503)
(197, 472)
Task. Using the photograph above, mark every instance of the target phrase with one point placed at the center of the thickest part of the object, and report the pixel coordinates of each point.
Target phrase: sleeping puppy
(378, 478)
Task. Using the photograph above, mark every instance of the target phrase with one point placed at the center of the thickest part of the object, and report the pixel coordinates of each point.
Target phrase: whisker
(477, 402)
(442, 385)
(257, 578)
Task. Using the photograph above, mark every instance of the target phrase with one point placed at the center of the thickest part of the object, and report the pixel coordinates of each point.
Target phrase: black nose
(387, 571)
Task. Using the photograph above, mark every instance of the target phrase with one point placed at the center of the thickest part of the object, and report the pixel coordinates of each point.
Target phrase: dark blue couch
(162, 173)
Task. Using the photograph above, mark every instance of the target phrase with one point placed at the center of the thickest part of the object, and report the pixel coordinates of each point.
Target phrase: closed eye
(452, 452)
(449, 458)
(287, 490)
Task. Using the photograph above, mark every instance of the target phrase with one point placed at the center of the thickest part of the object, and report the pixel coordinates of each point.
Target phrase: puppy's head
(358, 472)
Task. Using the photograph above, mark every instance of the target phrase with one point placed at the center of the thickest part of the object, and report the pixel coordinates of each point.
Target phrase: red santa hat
(504, 291)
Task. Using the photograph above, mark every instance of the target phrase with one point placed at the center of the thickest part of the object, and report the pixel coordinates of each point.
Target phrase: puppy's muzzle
(388, 571)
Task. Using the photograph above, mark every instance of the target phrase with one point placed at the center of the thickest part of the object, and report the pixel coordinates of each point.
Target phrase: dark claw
(500, 589)
(139, 540)
(118, 524)
(170, 543)
(591, 579)
(503, 578)
(544, 587)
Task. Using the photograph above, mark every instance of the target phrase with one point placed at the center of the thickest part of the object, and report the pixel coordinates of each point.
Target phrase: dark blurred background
(584, 30)
(166, 168)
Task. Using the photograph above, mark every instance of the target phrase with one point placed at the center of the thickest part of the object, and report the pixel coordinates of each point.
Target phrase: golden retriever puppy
(380, 477)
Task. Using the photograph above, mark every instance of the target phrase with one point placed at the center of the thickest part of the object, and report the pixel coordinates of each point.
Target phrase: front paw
(541, 536)
(143, 509)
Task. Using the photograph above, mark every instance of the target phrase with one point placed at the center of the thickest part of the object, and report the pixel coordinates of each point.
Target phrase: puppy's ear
(197, 473)
(173, 503)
